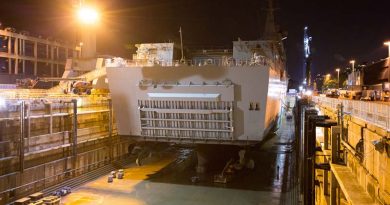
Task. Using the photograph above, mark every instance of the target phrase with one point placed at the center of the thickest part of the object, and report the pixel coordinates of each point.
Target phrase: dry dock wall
(372, 168)
(50, 153)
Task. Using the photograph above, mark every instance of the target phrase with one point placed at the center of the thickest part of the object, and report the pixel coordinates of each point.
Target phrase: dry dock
(165, 179)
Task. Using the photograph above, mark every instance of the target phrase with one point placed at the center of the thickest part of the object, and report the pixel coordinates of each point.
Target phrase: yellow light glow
(327, 77)
(308, 93)
(79, 102)
(387, 43)
(88, 15)
(337, 69)
(352, 61)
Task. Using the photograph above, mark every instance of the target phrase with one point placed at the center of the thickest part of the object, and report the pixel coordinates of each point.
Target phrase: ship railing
(229, 62)
(376, 113)
(24, 94)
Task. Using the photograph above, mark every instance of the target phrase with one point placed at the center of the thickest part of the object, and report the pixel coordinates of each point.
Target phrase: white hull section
(208, 104)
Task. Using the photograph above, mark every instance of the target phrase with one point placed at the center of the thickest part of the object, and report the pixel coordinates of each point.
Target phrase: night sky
(341, 29)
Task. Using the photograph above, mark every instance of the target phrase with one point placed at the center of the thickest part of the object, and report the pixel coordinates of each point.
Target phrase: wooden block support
(335, 142)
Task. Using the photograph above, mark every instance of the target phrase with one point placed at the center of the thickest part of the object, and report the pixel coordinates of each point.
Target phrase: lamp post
(353, 65)
(81, 48)
(387, 43)
(88, 18)
(353, 72)
(338, 77)
(87, 15)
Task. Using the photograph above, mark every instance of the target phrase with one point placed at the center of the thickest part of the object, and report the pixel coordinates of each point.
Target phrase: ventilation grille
(197, 120)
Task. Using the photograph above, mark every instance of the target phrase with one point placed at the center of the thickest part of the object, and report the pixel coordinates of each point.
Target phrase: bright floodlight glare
(387, 43)
(2, 103)
(352, 61)
(79, 102)
(337, 69)
(309, 92)
(88, 15)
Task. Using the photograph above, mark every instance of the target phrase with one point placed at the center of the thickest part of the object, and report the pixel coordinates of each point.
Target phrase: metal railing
(230, 62)
(377, 113)
(31, 94)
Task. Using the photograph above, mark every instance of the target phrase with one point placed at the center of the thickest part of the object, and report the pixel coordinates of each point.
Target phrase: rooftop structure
(23, 55)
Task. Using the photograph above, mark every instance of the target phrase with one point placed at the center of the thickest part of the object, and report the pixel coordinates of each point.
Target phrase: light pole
(387, 43)
(353, 65)
(338, 77)
(87, 15)
(81, 48)
(88, 18)
(353, 71)
(182, 59)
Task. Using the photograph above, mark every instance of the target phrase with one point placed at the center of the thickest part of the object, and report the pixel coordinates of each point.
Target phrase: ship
(230, 96)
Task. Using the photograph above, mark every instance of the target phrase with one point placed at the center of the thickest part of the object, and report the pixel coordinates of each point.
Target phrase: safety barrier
(377, 113)
(118, 62)
(31, 94)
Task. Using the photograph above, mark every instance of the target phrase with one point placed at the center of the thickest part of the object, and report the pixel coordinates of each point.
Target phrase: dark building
(377, 73)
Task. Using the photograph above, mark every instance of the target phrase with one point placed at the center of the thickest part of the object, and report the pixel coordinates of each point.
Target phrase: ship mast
(269, 28)
(182, 60)
(307, 56)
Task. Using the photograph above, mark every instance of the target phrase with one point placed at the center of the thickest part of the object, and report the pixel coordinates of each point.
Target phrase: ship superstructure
(235, 101)
(232, 99)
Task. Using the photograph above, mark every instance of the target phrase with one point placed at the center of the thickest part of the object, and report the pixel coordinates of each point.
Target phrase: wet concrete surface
(274, 166)
(165, 178)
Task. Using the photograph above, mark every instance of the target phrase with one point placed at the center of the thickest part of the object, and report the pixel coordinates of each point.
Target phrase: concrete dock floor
(271, 182)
